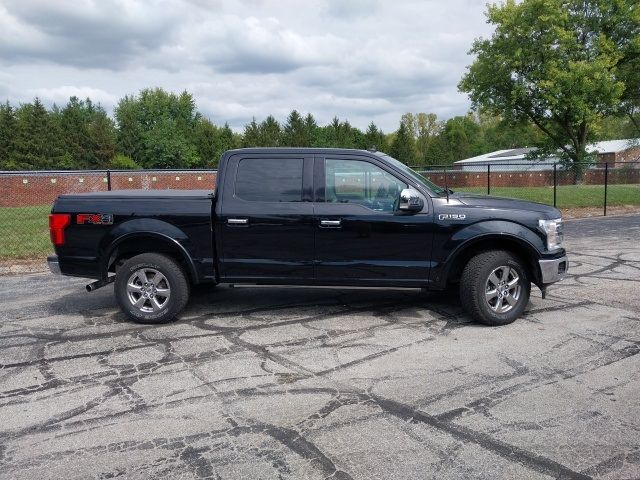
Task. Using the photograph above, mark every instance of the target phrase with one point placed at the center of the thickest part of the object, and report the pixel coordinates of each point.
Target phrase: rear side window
(269, 180)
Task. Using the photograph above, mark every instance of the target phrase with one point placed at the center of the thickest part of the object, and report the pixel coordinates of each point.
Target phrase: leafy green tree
(554, 63)
(165, 146)
(462, 137)
(622, 27)
(156, 129)
(427, 129)
(212, 141)
(437, 153)
(122, 162)
(613, 128)
(402, 147)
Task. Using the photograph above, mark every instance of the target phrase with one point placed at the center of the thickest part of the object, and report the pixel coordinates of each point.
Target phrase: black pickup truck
(308, 216)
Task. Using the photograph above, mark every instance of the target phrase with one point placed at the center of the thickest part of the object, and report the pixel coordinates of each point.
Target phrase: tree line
(159, 129)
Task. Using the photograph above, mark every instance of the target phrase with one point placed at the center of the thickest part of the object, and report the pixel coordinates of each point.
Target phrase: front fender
(497, 233)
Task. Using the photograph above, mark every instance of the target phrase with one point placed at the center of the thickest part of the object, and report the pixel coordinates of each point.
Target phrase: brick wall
(43, 188)
(629, 155)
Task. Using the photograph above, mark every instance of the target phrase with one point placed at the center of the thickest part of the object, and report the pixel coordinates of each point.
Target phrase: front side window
(269, 180)
(356, 181)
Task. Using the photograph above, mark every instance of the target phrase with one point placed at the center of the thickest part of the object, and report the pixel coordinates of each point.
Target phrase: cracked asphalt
(347, 384)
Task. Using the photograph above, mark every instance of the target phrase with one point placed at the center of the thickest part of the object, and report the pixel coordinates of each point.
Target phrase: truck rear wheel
(151, 288)
(495, 287)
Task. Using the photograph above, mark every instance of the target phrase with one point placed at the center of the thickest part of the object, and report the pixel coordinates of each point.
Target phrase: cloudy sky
(359, 59)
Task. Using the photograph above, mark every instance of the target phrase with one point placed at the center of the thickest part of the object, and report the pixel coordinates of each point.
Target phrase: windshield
(413, 174)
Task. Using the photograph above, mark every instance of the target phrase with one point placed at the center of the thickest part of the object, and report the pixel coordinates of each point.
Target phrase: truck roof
(311, 150)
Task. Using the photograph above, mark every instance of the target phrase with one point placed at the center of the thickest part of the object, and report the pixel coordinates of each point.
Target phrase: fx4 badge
(94, 219)
(452, 216)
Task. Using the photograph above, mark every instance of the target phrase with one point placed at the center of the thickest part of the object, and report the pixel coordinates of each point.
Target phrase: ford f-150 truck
(306, 216)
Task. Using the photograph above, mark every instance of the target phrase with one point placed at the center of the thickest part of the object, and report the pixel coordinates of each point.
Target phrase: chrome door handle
(237, 221)
(330, 223)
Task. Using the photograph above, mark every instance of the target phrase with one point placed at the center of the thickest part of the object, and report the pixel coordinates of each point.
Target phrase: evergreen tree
(251, 135)
(75, 119)
(207, 142)
(310, 130)
(229, 140)
(38, 145)
(375, 138)
(295, 132)
(8, 131)
(402, 147)
(102, 133)
(270, 132)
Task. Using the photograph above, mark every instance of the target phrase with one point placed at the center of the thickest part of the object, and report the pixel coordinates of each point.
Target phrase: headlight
(553, 229)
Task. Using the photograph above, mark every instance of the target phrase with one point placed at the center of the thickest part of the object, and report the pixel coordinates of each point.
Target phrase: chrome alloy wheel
(148, 290)
(503, 289)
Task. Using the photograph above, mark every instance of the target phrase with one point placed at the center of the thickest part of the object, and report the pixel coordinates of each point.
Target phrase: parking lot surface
(329, 383)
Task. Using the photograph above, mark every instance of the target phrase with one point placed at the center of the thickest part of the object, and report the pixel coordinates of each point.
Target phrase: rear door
(266, 219)
(360, 240)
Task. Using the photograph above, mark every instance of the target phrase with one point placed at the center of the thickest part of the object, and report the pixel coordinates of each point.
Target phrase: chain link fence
(584, 190)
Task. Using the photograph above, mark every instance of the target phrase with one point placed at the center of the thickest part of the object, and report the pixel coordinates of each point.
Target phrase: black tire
(170, 278)
(476, 287)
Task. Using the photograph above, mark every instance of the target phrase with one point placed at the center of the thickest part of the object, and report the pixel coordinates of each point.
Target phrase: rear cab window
(272, 180)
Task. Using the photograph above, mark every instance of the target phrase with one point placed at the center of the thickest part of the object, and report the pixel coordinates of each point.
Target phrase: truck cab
(307, 216)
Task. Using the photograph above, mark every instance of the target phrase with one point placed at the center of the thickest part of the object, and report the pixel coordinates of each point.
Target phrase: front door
(266, 221)
(360, 239)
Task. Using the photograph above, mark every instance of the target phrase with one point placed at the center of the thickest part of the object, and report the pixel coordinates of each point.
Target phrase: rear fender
(146, 230)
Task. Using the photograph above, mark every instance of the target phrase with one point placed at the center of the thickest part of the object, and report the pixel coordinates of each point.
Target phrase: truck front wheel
(151, 288)
(495, 287)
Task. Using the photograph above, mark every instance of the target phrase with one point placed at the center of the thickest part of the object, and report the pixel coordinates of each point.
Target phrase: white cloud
(60, 95)
(361, 60)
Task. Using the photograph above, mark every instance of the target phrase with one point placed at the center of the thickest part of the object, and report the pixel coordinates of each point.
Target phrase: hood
(502, 203)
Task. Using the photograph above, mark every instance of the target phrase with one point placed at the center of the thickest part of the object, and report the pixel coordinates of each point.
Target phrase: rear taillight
(57, 223)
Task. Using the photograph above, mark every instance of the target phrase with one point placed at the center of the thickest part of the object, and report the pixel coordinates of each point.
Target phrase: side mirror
(410, 201)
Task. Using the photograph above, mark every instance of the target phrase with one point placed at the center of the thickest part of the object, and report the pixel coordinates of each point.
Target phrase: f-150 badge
(94, 219)
(452, 216)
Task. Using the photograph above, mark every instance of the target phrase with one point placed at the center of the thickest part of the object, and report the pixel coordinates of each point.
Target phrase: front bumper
(54, 265)
(554, 270)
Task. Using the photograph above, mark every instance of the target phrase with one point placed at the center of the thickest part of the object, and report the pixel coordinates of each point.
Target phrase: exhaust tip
(100, 283)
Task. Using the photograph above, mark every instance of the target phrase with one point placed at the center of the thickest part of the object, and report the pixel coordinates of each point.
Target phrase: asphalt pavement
(329, 383)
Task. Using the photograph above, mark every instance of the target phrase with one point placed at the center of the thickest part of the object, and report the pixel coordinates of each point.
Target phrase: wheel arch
(135, 243)
(510, 243)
